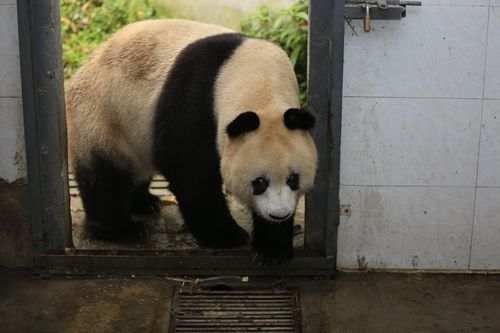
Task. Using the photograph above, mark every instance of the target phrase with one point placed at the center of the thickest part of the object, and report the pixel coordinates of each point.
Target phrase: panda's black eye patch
(293, 181)
(260, 185)
(298, 119)
(244, 123)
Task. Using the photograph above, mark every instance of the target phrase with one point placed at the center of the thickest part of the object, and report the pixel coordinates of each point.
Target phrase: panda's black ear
(298, 119)
(244, 123)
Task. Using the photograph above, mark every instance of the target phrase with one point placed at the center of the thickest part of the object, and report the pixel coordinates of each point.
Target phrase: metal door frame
(45, 135)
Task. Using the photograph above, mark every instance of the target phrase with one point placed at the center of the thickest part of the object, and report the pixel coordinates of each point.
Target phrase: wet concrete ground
(350, 303)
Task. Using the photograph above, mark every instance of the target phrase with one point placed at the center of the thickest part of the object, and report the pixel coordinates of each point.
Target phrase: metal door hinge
(368, 10)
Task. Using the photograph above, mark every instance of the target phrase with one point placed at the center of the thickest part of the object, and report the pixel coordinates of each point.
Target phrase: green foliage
(289, 29)
(86, 23)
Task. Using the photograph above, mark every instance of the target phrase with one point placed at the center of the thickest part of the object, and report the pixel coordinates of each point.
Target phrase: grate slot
(236, 311)
(158, 186)
(235, 329)
(231, 316)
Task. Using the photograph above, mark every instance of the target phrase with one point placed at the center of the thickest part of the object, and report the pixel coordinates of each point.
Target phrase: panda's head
(269, 161)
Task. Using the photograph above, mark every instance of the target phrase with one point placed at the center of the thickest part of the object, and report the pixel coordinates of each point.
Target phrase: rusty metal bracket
(368, 10)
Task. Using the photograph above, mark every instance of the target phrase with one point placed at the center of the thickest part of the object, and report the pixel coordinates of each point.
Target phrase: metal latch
(377, 10)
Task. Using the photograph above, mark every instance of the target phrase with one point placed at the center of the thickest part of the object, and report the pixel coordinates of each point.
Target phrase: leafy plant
(86, 23)
(288, 28)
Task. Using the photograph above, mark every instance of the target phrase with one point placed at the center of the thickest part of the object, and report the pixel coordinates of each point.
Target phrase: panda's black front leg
(143, 202)
(211, 225)
(207, 216)
(273, 241)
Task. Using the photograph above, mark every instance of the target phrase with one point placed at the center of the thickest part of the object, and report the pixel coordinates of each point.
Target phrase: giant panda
(204, 106)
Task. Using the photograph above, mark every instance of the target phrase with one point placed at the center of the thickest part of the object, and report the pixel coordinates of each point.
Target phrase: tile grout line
(455, 5)
(424, 98)
(417, 186)
(474, 202)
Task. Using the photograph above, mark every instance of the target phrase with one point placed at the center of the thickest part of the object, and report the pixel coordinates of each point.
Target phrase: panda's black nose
(284, 217)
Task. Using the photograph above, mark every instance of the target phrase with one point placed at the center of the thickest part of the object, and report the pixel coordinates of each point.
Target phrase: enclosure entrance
(53, 195)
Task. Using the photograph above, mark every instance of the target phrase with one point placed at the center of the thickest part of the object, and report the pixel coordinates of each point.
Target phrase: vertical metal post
(45, 125)
(326, 61)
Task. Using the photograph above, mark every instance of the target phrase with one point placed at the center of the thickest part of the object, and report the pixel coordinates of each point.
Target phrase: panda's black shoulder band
(244, 123)
(298, 119)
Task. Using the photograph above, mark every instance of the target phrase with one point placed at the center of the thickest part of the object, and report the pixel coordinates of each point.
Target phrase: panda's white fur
(112, 100)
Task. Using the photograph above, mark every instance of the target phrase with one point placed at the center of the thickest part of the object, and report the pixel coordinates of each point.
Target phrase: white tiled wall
(489, 158)
(486, 235)
(12, 161)
(468, 3)
(400, 141)
(406, 227)
(420, 161)
(434, 52)
(492, 88)
(8, 26)
(9, 75)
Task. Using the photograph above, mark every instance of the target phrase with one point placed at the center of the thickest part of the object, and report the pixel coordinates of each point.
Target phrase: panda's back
(111, 100)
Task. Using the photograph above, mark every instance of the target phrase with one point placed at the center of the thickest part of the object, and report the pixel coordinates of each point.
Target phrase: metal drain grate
(236, 311)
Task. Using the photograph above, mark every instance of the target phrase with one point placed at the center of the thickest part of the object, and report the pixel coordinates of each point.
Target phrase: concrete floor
(350, 303)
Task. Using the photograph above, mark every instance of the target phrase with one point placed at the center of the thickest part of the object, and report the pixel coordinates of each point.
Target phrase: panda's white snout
(280, 217)
(277, 204)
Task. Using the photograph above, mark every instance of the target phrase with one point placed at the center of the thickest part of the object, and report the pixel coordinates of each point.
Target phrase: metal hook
(367, 25)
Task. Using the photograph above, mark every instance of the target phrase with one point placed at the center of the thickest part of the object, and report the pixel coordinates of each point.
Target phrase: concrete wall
(15, 241)
(421, 140)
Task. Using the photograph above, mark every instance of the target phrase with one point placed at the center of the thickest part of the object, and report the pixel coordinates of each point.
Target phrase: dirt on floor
(350, 303)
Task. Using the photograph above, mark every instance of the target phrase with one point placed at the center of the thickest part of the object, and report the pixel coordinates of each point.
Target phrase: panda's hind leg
(106, 191)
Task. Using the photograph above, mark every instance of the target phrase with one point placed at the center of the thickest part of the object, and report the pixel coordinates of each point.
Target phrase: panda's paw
(147, 204)
(229, 236)
(124, 232)
(273, 242)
